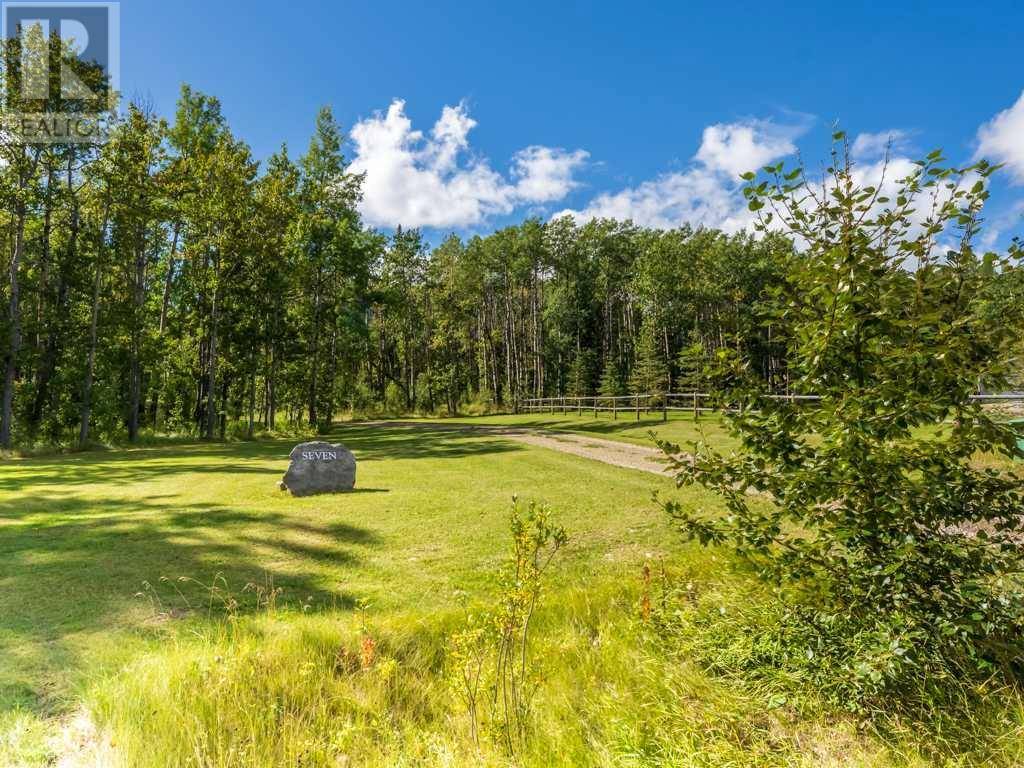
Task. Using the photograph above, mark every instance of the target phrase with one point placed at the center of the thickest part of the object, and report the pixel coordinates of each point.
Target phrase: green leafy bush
(900, 554)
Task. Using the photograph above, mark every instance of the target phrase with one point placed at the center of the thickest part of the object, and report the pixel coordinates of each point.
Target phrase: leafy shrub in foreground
(490, 664)
(903, 555)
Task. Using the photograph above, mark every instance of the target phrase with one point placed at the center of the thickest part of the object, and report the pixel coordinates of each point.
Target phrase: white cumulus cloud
(708, 191)
(872, 146)
(433, 180)
(735, 148)
(1001, 140)
(544, 174)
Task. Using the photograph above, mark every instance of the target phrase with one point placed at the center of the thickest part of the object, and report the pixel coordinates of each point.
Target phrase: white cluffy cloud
(420, 180)
(708, 191)
(872, 146)
(1001, 140)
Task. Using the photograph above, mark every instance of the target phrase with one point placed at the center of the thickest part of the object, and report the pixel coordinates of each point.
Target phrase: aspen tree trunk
(14, 324)
(45, 263)
(90, 365)
(668, 362)
(222, 420)
(169, 279)
(165, 302)
(86, 412)
(211, 385)
(139, 299)
(271, 384)
(314, 357)
(332, 374)
(48, 357)
(252, 396)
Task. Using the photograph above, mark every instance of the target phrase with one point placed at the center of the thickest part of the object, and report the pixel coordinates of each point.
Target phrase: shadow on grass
(124, 467)
(81, 570)
(565, 425)
(75, 550)
(430, 440)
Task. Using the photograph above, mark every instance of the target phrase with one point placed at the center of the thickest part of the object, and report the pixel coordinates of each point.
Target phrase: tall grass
(284, 689)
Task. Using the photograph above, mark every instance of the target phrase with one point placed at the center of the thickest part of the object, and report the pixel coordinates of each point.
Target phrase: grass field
(679, 428)
(107, 558)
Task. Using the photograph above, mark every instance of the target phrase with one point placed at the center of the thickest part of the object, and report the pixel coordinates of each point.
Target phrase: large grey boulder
(319, 467)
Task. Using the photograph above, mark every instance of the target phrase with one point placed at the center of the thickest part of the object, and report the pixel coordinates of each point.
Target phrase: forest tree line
(167, 281)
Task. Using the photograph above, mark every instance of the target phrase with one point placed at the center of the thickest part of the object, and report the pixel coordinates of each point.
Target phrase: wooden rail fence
(626, 405)
(687, 402)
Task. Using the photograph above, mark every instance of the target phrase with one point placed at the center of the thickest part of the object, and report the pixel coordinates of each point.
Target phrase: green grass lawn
(82, 535)
(680, 428)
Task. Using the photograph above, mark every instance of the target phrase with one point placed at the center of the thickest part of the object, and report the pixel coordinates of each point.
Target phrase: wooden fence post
(615, 406)
(595, 407)
(638, 407)
(696, 413)
(664, 408)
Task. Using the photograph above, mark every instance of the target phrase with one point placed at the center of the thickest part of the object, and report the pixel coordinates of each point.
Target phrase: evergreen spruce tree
(650, 372)
(580, 375)
(692, 360)
(611, 379)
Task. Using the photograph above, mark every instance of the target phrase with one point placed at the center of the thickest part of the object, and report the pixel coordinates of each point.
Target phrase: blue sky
(469, 117)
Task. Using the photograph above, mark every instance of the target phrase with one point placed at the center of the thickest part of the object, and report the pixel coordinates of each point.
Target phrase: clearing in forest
(119, 568)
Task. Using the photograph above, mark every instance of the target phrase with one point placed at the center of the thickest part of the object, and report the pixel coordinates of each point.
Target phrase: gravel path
(598, 449)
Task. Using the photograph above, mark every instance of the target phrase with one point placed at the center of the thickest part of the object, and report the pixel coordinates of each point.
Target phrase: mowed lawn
(680, 428)
(115, 567)
(82, 535)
